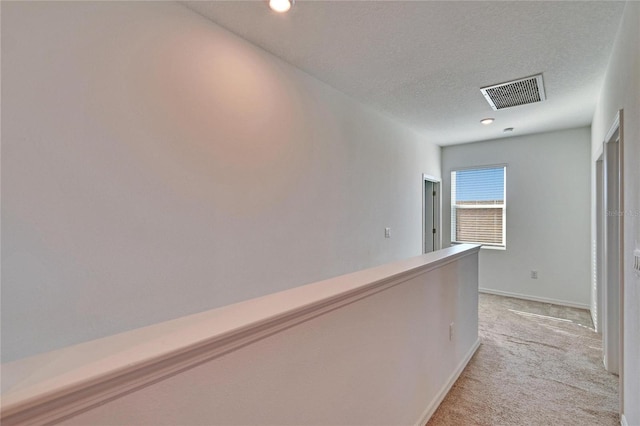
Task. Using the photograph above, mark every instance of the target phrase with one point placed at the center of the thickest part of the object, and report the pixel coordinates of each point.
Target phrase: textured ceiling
(423, 62)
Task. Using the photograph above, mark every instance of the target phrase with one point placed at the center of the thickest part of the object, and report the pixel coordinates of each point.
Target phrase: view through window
(478, 206)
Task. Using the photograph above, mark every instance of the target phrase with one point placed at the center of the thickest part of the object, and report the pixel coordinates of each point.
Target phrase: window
(478, 206)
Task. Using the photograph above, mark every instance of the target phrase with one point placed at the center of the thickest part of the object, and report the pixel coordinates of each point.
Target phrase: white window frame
(503, 206)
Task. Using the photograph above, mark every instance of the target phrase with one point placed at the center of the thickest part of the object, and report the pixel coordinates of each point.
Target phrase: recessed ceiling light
(487, 121)
(280, 6)
(508, 129)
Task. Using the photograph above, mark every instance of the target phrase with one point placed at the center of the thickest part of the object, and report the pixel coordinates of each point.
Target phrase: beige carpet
(538, 364)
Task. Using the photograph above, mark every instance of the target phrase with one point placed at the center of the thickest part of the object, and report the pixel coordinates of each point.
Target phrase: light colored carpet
(538, 364)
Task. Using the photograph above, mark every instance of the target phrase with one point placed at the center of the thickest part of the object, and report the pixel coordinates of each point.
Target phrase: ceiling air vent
(513, 93)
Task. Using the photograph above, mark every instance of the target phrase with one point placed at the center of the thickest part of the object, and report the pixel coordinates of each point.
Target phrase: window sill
(484, 247)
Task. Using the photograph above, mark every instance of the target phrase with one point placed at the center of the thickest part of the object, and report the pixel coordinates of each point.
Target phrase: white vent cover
(513, 93)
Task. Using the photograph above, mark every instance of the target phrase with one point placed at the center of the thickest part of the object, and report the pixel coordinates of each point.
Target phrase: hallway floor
(538, 364)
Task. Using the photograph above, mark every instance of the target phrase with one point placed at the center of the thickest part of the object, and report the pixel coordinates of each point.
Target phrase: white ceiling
(423, 62)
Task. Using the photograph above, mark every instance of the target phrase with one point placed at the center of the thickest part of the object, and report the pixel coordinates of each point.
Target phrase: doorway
(431, 239)
(611, 222)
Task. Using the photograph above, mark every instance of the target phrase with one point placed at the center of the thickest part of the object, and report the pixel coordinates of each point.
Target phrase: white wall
(621, 90)
(547, 214)
(155, 165)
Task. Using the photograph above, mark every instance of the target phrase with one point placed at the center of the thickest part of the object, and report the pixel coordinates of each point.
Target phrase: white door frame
(437, 212)
(613, 249)
(599, 266)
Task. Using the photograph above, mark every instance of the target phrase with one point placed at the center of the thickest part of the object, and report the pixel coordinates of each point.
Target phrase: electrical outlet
(451, 331)
(387, 232)
(534, 275)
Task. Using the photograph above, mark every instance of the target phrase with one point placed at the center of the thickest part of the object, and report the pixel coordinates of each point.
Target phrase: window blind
(478, 206)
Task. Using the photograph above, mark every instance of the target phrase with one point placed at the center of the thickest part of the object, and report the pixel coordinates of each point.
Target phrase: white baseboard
(435, 403)
(535, 298)
(623, 420)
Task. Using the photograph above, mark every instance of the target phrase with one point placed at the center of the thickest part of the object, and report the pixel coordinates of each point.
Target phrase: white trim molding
(431, 178)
